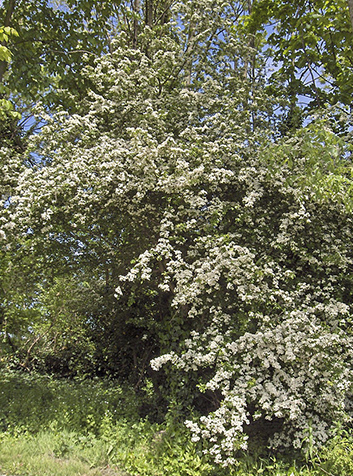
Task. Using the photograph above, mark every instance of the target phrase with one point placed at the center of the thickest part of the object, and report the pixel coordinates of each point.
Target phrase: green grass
(49, 454)
(138, 451)
(90, 428)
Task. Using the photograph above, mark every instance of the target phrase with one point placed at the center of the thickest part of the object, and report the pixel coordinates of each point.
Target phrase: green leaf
(5, 54)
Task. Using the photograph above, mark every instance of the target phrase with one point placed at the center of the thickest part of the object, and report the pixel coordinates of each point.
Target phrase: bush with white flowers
(170, 187)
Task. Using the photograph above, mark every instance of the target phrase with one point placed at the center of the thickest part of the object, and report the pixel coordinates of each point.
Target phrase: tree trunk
(249, 61)
(149, 13)
(136, 8)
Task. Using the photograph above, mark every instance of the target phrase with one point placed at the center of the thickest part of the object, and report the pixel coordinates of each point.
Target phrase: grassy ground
(49, 454)
(66, 454)
(61, 428)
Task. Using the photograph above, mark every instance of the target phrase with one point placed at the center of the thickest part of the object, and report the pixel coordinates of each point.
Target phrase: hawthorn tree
(166, 222)
(50, 44)
(175, 58)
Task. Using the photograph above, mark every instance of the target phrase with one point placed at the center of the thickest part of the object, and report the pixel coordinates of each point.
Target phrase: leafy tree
(93, 242)
(161, 220)
(310, 42)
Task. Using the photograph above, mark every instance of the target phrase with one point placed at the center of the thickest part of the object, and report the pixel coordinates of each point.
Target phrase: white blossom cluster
(290, 371)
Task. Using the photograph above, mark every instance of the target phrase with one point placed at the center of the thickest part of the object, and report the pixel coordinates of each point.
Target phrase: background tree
(310, 45)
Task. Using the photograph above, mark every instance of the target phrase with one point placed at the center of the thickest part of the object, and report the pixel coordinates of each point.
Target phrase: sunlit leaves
(320, 161)
(312, 41)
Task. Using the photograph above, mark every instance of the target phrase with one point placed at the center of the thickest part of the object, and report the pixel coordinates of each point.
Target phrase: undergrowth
(69, 428)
